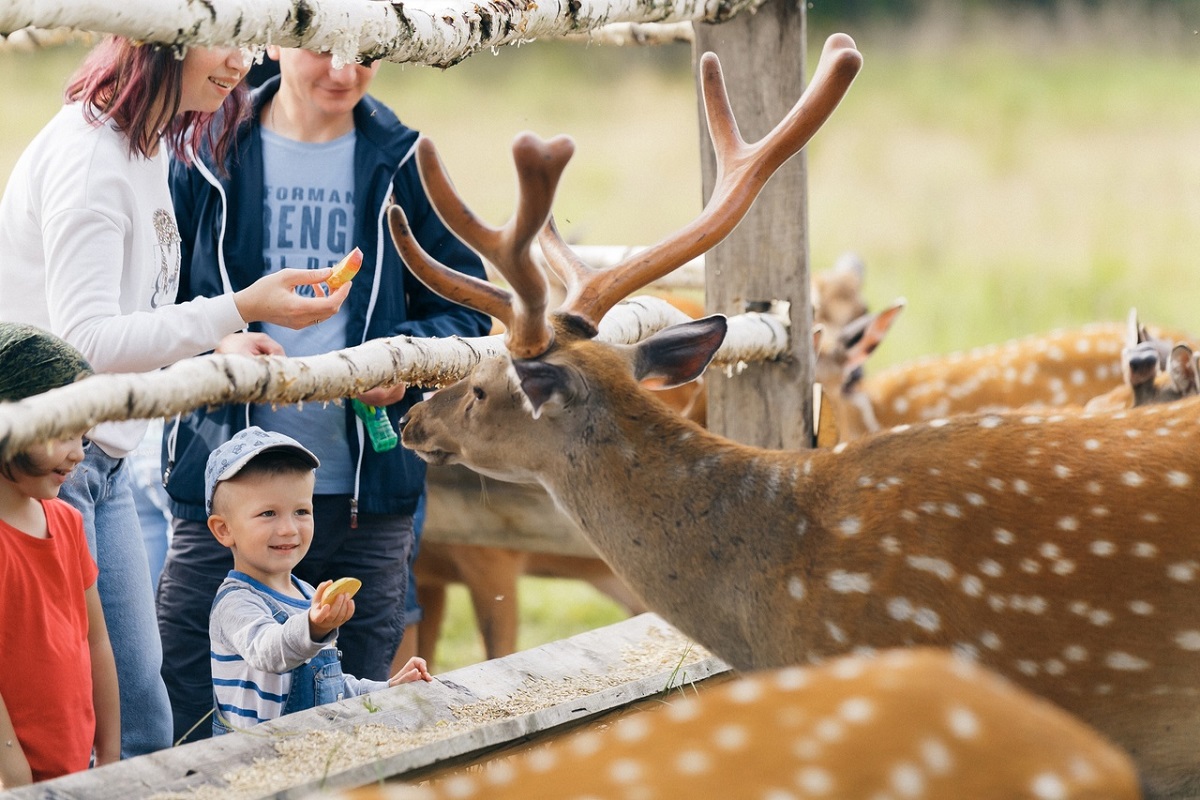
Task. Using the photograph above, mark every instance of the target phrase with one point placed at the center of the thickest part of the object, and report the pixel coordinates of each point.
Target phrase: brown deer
(491, 574)
(1060, 550)
(908, 723)
(1143, 360)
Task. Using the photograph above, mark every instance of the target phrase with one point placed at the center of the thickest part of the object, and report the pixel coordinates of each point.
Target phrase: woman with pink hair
(91, 253)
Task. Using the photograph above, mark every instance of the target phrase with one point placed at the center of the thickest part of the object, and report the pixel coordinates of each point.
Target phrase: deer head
(1062, 551)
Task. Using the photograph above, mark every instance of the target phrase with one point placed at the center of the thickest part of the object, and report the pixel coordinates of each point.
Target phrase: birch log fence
(219, 379)
(438, 34)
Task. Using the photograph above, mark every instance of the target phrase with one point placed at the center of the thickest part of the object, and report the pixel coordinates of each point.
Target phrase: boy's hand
(415, 670)
(324, 617)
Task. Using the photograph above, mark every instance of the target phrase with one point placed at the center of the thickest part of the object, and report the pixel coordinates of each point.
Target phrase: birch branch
(220, 379)
(434, 32)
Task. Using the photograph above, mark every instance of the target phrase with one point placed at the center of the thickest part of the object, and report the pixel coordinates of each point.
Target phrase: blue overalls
(314, 683)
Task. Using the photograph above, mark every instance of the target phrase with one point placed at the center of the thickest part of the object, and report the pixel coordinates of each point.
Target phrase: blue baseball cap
(229, 459)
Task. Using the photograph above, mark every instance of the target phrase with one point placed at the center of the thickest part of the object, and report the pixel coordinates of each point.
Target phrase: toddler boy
(273, 637)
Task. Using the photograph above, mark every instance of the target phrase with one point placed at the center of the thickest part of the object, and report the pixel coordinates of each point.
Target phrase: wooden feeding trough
(414, 729)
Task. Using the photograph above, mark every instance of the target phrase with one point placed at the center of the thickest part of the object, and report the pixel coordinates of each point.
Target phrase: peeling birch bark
(220, 379)
(440, 33)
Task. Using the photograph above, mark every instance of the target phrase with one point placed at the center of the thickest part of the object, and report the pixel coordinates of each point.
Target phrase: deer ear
(542, 384)
(1183, 370)
(680, 353)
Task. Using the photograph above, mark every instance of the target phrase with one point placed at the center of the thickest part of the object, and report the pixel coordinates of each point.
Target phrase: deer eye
(479, 393)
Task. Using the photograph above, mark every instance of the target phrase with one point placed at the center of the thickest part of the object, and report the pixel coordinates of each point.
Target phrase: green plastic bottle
(379, 427)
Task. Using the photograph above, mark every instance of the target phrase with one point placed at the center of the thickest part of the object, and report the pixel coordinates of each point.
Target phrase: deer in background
(906, 723)
(1155, 371)
(1061, 550)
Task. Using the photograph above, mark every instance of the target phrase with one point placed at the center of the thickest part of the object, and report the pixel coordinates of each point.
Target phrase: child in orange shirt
(58, 679)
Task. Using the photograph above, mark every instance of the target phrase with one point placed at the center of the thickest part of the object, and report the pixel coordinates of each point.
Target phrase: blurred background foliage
(1008, 167)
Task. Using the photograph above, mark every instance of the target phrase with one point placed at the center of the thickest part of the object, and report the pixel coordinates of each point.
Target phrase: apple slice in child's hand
(346, 586)
(345, 270)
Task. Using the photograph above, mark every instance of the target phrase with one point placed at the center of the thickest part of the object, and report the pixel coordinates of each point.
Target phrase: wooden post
(765, 259)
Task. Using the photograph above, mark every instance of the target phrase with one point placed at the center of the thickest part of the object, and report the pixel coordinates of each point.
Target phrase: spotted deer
(1066, 367)
(1061, 550)
(907, 723)
(1156, 370)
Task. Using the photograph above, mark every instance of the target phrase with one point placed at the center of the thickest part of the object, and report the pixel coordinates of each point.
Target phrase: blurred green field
(1005, 173)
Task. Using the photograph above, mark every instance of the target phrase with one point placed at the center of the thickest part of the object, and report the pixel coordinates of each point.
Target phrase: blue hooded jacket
(221, 222)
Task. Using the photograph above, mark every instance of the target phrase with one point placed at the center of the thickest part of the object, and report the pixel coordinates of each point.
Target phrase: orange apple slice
(345, 270)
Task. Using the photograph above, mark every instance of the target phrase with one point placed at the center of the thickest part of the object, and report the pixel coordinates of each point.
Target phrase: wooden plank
(467, 508)
(412, 727)
(765, 259)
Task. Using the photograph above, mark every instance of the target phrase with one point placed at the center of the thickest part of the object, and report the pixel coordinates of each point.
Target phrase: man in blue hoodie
(310, 179)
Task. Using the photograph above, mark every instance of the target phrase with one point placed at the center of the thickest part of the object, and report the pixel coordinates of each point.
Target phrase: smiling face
(266, 519)
(41, 473)
(315, 93)
(209, 76)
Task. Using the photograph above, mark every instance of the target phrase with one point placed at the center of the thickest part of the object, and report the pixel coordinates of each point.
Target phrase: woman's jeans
(100, 488)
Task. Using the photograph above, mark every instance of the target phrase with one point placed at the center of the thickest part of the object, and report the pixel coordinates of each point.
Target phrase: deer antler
(523, 311)
(742, 171)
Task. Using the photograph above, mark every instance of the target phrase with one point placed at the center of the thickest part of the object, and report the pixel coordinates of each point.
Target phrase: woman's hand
(272, 298)
(249, 344)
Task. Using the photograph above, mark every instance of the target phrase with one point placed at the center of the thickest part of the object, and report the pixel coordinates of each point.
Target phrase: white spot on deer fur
(1188, 640)
(939, 423)
(1048, 786)
(1125, 662)
(844, 582)
(829, 730)
(1099, 511)
(962, 722)
(692, 762)
(1020, 486)
(850, 526)
(746, 690)
(1144, 550)
(907, 780)
(1061, 471)
(1054, 667)
(460, 786)
(1150, 516)
(965, 651)
(972, 586)
(837, 634)
(952, 510)
(1099, 617)
(1063, 566)
(625, 770)
(1027, 667)
(1184, 571)
(997, 602)
(840, 447)
(632, 729)
(1091, 444)
(990, 640)
(1068, 524)
(585, 743)
(995, 483)
(1075, 653)
(807, 749)
(1078, 377)
(542, 760)
(889, 545)
(856, 710)
(678, 711)
(802, 526)
(1132, 478)
(1178, 479)
(1141, 608)
(501, 773)
(975, 499)
(928, 507)
(1049, 550)
(814, 780)
(1028, 565)
(795, 588)
(908, 515)
(991, 568)
(991, 422)
(847, 669)
(937, 566)
(1004, 536)
(900, 608)
(927, 619)
(731, 737)
(1093, 487)
(791, 679)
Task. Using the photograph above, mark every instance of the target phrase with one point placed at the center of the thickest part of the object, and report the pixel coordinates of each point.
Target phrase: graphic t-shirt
(45, 661)
(308, 223)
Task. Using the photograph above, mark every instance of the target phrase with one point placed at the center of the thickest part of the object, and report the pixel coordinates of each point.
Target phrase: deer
(916, 722)
(1061, 550)
(1143, 360)
(849, 334)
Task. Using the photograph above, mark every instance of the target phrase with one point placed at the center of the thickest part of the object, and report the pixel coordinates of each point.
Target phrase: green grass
(1007, 174)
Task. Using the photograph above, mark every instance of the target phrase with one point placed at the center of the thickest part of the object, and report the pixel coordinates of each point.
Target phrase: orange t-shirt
(45, 661)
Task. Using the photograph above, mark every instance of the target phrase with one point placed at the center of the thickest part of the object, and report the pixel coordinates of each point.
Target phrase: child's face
(49, 466)
(266, 520)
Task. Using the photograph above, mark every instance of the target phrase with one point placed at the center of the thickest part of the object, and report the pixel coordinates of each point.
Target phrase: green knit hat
(33, 361)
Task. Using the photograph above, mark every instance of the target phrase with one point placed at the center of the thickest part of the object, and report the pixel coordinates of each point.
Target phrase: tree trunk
(765, 259)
